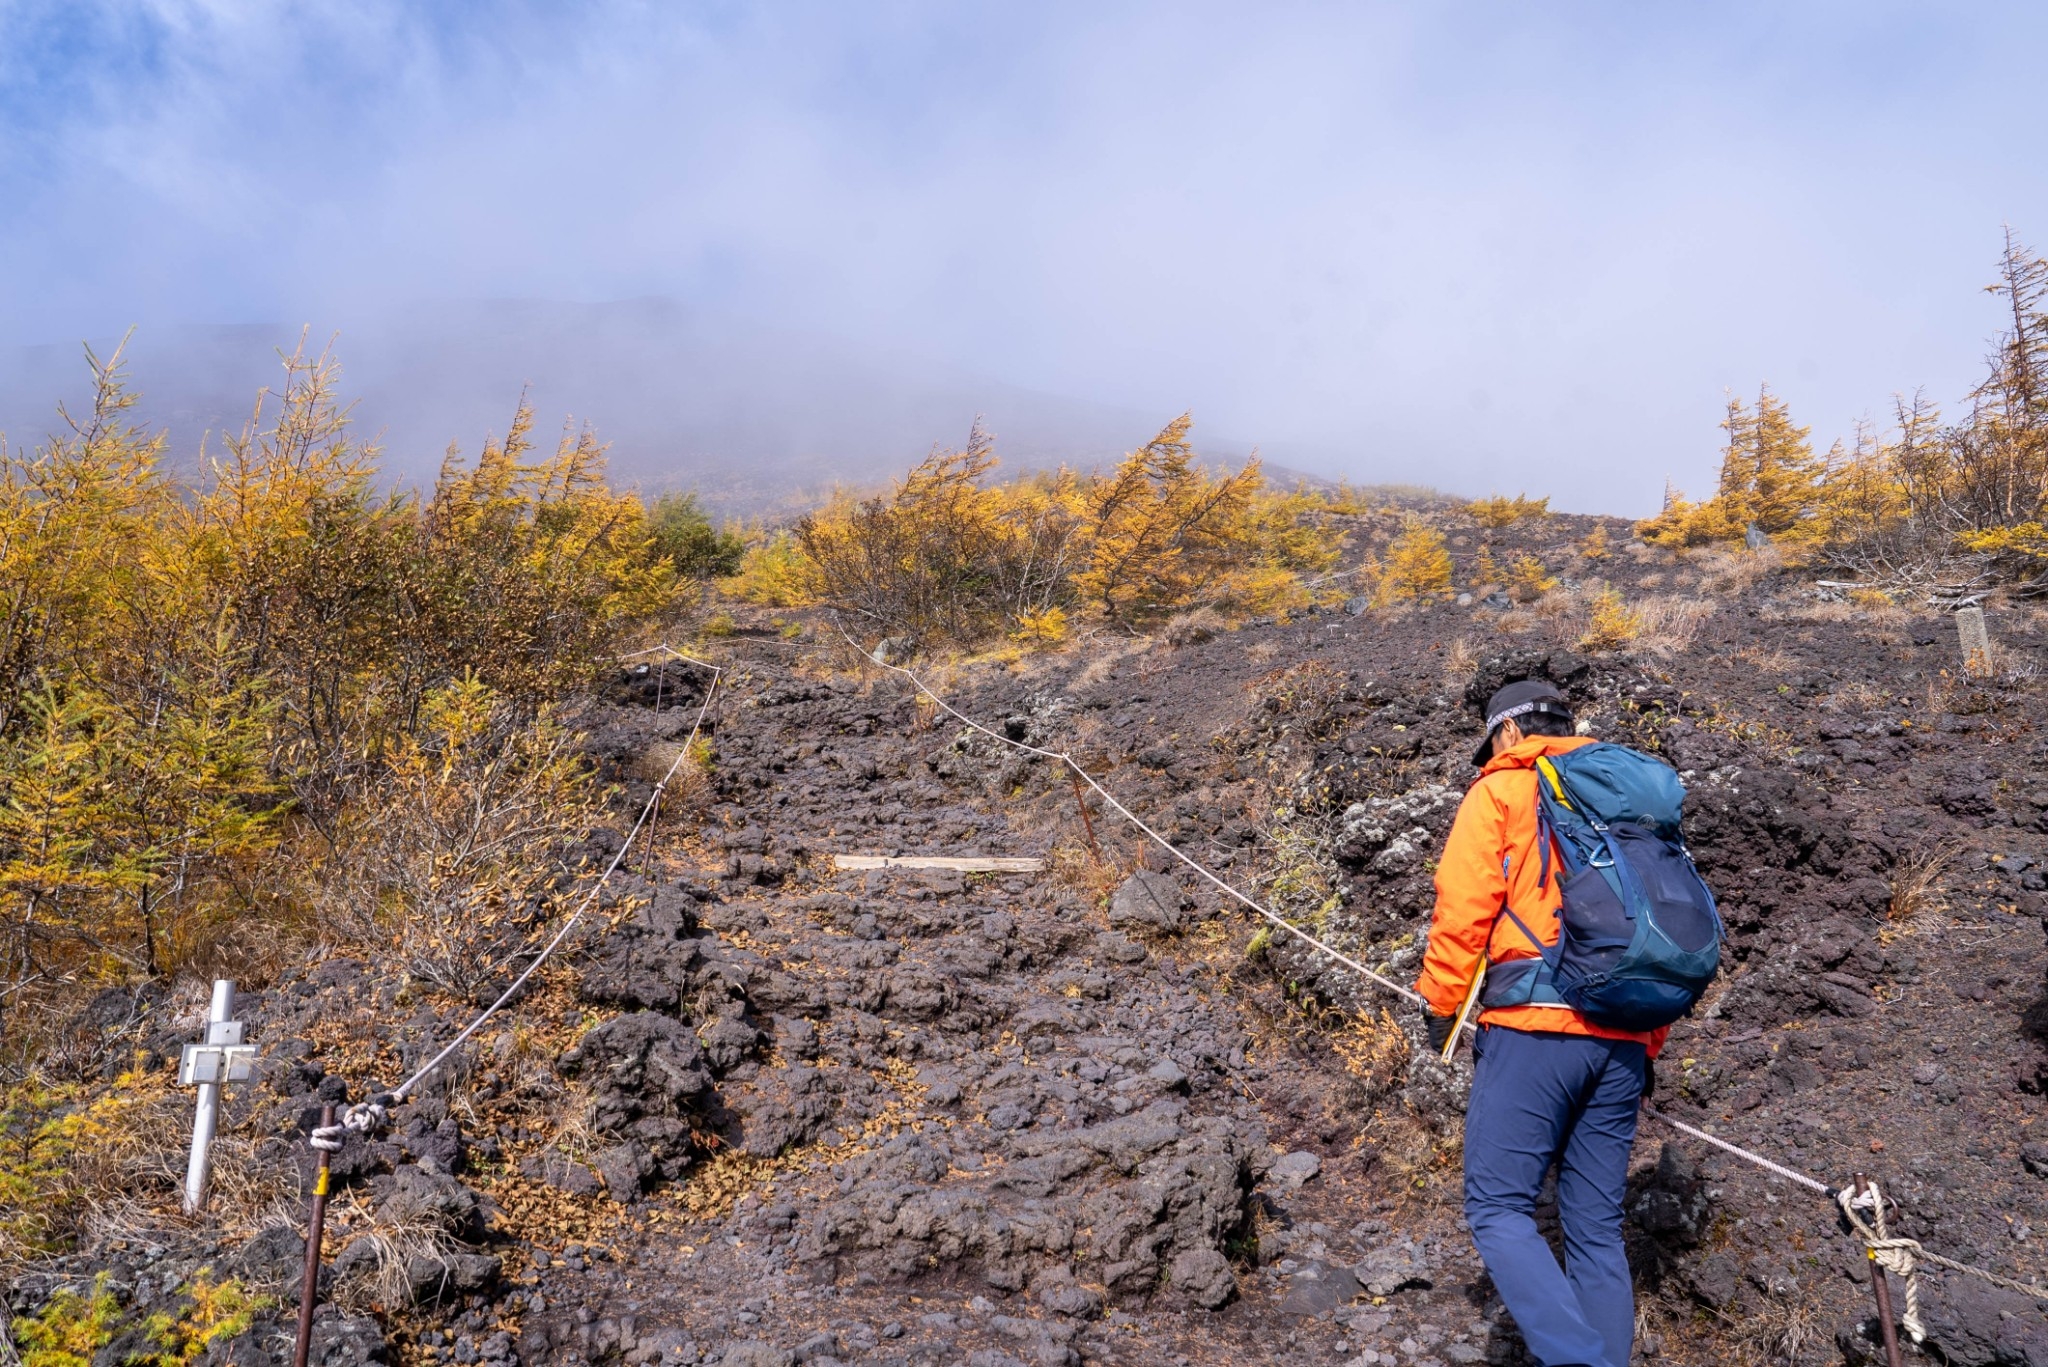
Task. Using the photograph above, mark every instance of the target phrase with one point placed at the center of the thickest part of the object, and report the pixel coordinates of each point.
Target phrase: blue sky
(1477, 244)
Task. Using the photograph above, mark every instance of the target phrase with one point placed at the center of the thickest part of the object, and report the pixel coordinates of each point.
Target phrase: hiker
(1548, 1084)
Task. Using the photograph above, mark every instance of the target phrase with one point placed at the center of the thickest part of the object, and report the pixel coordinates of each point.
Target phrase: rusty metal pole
(654, 809)
(309, 1291)
(647, 845)
(1087, 822)
(1878, 1286)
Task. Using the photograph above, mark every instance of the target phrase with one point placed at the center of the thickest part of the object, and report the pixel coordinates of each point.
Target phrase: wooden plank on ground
(935, 861)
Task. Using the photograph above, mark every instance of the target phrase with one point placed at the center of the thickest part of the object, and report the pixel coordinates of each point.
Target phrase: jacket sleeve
(1470, 890)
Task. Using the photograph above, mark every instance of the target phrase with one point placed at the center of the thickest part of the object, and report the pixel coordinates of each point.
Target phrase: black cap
(1519, 699)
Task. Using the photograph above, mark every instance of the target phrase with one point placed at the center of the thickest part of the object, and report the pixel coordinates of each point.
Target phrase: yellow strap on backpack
(1556, 783)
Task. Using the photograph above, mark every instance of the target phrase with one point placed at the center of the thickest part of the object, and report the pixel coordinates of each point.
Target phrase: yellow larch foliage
(950, 554)
(1529, 579)
(1612, 624)
(774, 572)
(184, 660)
(1485, 569)
(1163, 530)
(1770, 478)
(1417, 565)
(1498, 511)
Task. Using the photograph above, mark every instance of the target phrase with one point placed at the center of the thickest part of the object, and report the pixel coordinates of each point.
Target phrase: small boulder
(1396, 1267)
(1203, 1276)
(431, 1279)
(413, 1194)
(1170, 1076)
(727, 1042)
(625, 1169)
(274, 1258)
(1976, 1325)
(1290, 1172)
(1148, 899)
(1318, 1289)
(755, 1353)
(352, 1342)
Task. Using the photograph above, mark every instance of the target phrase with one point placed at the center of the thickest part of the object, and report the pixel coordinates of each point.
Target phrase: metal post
(1878, 1286)
(1087, 822)
(207, 1118)
(647, 845)
(316, 1225)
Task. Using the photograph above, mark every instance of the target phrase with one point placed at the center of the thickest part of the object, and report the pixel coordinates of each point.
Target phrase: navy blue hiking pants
(1539, 1099)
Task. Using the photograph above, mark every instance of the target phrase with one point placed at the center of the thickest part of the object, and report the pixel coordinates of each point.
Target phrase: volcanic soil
(762, 1111)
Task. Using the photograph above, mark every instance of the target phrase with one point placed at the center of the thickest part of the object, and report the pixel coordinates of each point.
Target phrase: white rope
(1064, 758)
(1892, 1255)
(1788, 1174)
(1895, 1254)
(367, 1115)
(1903, 1256)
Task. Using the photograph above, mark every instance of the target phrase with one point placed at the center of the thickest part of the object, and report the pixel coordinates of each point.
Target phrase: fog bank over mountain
(757, 419)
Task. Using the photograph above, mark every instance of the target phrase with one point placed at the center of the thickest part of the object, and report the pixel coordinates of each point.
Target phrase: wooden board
(935, 861)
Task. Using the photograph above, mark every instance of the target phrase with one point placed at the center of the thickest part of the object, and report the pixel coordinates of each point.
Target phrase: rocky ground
(764, 1112)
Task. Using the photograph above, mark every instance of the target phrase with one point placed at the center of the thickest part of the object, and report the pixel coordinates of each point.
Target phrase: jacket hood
(1533, 748)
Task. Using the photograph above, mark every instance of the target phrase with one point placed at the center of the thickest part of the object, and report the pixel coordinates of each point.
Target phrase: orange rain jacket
(1490, 861)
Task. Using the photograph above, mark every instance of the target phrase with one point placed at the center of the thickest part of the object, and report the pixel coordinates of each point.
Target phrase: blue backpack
(1639, 935)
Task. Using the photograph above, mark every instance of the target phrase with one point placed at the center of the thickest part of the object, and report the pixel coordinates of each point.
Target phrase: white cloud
(1477, 244)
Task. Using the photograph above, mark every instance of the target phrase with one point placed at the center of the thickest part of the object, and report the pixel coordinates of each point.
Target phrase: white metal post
(207, 1118)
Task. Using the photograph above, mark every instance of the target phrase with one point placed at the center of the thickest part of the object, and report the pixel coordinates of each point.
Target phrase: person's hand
(1649, 1079)
(1439, 1028)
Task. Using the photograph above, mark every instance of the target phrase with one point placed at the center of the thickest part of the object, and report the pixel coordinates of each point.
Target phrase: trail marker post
(215, 1061)
(1975, 641)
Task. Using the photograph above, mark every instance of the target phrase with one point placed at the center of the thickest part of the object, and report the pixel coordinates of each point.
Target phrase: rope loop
(1897, 1256)
(365, 1117)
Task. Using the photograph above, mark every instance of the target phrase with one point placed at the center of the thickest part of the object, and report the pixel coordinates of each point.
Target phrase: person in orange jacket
(1548, 1086)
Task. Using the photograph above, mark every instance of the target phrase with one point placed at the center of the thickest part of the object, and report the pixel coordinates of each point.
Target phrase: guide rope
(366, 1116)
(1110, 799)
(1893, 1254)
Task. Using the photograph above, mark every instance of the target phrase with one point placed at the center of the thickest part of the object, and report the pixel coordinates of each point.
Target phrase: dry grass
(1461, 662)
(1789, 1331)
(86, 1173)
(1861, 697)
(1767, 661)
(1073, 865)
(1105, 652)
(378, 1277)
(1557, 605)
(1726, 572)
(2012, 667)
(1669, 623)
(1917, 895)
(1517, 622)
(1193, 628)
(1375, 1050)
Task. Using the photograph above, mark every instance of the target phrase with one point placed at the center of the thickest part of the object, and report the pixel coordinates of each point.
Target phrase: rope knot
(1897, 1256)
(364, 1117)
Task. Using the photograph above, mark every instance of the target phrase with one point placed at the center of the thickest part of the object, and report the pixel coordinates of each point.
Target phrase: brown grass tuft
(1725, 571)
(1669, 623)
(1917, 893)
